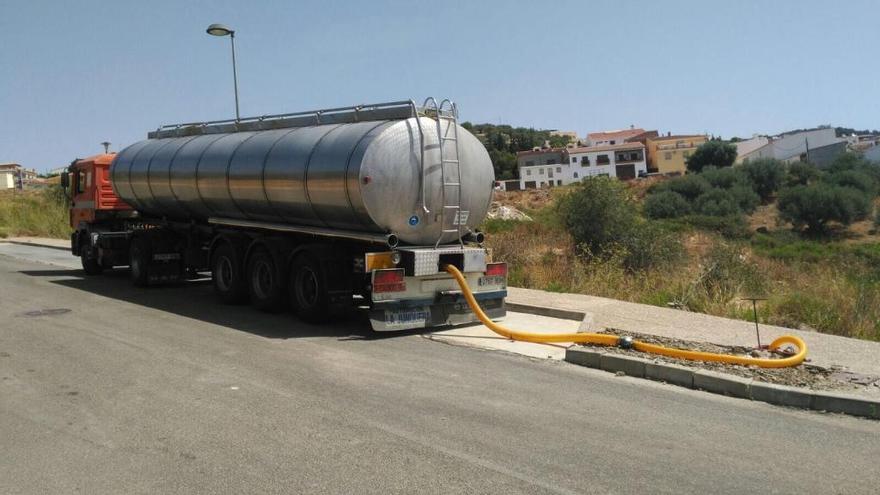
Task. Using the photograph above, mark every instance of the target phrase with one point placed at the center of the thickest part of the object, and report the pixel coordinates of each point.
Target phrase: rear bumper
(443, 311)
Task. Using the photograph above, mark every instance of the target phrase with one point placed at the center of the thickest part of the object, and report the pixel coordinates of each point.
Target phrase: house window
(558, 182)
(613, 142)
(574, 160)
(585, 161)
(528, 171)
(558, 170)
(575, 175)
(541, 171)
(667, 155)
(602, 160)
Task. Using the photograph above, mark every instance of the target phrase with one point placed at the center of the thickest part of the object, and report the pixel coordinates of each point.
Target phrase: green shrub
(765, 175)
(666, 204)
(815, 205)
(855, 179)
(716, 203)
(712, 153)
(597, 212)
(689, 186)
(649, 245)
(724, 178)
(801, 174)
(852, 161)
(745, 197)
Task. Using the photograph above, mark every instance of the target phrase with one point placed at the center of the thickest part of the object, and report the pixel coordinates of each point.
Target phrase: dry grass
(39, 213)
(837, 293)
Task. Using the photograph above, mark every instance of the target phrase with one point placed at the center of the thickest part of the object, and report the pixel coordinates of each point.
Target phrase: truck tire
(265, 284)
(89, 262)
(308, 289)
(227, 275)
(139, 262)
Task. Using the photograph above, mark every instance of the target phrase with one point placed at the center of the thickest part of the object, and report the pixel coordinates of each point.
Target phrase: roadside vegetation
(803, 238)
(40, 213)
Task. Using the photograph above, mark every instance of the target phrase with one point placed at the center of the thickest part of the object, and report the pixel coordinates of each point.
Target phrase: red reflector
(388, 281)
(496, 269)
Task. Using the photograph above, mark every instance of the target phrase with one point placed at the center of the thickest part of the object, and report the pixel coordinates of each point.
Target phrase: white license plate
(491, 280)
(407, 317)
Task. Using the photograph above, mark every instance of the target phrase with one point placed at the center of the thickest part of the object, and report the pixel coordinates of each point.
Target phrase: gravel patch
(805, 376)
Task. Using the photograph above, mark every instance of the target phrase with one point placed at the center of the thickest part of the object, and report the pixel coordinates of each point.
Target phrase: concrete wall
(824, 156)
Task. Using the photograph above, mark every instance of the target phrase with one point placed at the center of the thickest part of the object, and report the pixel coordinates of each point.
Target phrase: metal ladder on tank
(450, 167)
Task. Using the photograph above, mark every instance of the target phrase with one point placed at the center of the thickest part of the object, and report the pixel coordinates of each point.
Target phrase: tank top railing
(395, 110)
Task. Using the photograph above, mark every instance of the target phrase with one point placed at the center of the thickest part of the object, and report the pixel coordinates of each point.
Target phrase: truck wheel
(139, 262)
(265, 286)
(227, 275)
(308, 290)
(89, 262)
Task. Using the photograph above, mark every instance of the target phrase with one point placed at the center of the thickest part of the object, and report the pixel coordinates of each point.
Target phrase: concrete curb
(563, 314)
(720, 383)
(39, 244)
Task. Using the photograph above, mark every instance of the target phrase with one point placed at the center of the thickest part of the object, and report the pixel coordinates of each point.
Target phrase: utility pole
(807, 145)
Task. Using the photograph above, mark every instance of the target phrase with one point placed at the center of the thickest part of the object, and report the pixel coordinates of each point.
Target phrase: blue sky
(78, 73)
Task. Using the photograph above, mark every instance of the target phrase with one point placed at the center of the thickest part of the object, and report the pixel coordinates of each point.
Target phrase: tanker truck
(354, 207)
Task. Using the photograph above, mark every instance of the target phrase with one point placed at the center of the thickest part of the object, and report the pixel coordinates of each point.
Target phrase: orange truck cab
(94, 205)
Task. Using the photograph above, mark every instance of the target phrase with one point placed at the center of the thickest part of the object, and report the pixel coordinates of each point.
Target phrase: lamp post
(221, 30)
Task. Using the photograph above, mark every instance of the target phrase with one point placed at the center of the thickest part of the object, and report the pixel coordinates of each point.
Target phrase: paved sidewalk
(40, 241)
(824, 350)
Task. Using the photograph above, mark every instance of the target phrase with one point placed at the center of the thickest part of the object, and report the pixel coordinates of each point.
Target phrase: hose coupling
(625, 342)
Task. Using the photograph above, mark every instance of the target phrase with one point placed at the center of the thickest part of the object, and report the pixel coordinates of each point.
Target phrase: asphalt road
(165, 391)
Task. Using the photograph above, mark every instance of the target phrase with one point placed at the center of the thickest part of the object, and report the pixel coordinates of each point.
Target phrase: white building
(787, 147)
(7, 179)
(624, 161)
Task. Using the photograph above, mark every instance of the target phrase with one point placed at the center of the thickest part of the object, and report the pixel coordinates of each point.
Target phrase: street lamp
(221, 30)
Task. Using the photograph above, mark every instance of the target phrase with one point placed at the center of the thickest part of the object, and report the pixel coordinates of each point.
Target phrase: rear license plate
(491, 280)
(413, 317)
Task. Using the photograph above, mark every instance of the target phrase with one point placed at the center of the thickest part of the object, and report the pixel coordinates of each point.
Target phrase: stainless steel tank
(359, 176)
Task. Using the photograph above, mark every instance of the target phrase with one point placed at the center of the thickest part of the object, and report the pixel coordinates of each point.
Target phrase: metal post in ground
(755, 313)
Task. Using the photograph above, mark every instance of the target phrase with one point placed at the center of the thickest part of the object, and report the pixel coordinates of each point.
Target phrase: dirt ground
(805, 375)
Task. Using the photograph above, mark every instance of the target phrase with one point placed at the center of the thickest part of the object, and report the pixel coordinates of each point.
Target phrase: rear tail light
(496, 269)
(388, 281)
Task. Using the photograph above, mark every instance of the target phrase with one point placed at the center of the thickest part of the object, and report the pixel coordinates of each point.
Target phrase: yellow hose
(613, 340)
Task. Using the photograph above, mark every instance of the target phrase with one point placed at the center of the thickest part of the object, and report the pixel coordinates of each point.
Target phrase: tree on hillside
(801, 174)
(559, 141)
(765, 176)
(600, 211)
(815, 205)
(602, 218)
(714, 153)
